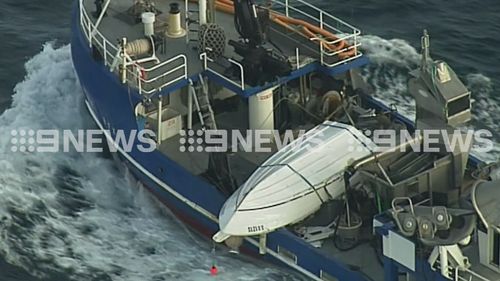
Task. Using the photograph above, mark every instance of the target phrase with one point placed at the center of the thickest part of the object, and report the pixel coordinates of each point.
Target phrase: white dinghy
(294, 182)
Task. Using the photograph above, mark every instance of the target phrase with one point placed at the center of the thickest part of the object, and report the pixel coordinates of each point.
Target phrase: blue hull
(193, 200)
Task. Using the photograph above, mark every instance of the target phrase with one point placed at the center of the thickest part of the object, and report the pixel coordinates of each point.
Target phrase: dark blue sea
(78, 216)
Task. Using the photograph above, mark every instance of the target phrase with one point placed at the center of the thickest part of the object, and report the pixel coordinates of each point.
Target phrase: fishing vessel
(330, 203)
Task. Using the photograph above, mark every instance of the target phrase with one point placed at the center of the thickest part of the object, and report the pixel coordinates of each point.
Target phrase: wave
(78, 214)
(391, 62)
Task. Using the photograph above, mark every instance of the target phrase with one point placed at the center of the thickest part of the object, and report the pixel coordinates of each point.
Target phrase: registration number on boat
(256, 228)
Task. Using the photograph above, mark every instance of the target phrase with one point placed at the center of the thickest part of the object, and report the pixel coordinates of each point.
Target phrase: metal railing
(329, 53)
(155, 78)
(169, 76)
(206, 66)
(95, 37)
(471, 275)
(325, 21)
(147, 80)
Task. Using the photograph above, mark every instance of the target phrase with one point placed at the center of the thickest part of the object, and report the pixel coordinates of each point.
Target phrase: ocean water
(79, 216)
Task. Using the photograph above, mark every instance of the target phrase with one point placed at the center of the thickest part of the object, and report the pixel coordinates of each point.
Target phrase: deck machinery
(194, 68)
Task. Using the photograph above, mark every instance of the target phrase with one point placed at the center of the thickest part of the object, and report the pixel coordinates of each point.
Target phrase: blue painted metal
(312, 67)
(374, 103)
(391, 271)
(114, 104)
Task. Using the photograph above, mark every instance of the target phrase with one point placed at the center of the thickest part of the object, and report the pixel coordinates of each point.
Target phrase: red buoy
(213, 270)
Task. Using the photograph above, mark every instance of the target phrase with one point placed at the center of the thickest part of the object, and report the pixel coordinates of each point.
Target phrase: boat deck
(363, 258)
(179, 58)
(242, 163)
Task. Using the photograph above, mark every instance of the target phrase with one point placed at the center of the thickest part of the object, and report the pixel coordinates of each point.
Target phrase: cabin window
(459, 105)
(287, 254)
(327, 277)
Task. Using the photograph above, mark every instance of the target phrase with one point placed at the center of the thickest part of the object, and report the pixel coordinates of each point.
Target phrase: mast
(425, 49)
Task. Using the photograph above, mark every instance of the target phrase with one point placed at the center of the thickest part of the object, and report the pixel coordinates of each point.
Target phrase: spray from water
(391, 62)
(77, 214)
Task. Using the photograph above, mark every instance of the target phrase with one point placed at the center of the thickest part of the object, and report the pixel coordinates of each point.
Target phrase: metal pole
(321, 19)
(160, 109)
(123, 66)
(202, 4)
(101, 16)
(105, 51)
(190, 108)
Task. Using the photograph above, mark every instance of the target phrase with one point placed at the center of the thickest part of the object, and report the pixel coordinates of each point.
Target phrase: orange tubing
(305, 29)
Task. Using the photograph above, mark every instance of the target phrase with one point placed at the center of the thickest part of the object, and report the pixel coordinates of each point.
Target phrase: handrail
(326, 21)
(181, 56)
(181, 66)
(204, 57)
(331, 48)
(353, 35)
(110, 53)
(323, 12)
(328, 48)
(242, 72)
(472, 274)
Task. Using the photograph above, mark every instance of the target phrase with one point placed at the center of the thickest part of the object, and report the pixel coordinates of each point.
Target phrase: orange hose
(307, 29)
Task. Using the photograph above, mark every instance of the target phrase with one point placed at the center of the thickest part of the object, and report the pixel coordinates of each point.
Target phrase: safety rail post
(242, 73)
(355, 42)
(321, 25)
(139, 80)
(286, 9)
(203, 56)
(297, 57)
(160, 117)
(105, 51)
(322, 52)
(99, 19)
(80, 7)
(89, 28)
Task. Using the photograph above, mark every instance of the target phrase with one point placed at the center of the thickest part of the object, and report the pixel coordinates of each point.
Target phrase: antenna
(425, 49)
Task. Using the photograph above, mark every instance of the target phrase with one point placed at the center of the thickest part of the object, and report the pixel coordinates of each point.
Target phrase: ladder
(190, 22)
(202, 104)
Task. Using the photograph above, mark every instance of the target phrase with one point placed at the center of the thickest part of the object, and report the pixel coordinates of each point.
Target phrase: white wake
(391, 62)
(77, 214)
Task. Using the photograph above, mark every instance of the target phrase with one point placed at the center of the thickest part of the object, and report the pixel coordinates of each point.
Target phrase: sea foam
(78, 214)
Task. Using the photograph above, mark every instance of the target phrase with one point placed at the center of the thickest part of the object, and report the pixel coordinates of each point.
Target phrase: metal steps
(202, 104)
